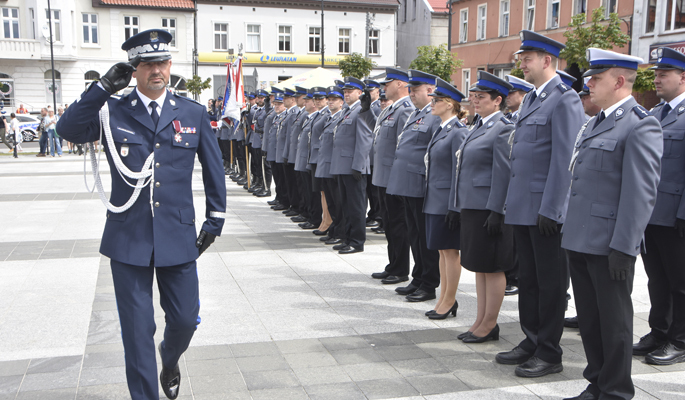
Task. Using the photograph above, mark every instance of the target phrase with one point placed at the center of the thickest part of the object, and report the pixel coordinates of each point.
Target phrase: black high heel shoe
(493, 335)
(431, 312)
(464, 334)
(452, 311)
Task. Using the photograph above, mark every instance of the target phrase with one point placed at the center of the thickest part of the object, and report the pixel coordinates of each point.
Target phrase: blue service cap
(519, 84)
(586, 90)
(262, 93)
(151, 45)
(371, 84)
(299, 90)
(392, 74)
(601, 60)
(381, 95)
(335, 91)
(353, 83)
(288, 92)
(418, 78)
(668, 58)
(531, 41)
(488, 82)
(278, 97)
(251, 95)
(445, 89)
(339, 83)
(275, 90)
(319, 92)
(309, 95)
(566, 77)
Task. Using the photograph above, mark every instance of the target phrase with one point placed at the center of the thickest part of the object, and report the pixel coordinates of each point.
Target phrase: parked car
(29, 127)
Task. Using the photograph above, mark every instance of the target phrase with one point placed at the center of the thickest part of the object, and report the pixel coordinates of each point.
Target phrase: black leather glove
(357, 175)
(494, 223)
(452, 218)
(267, 103)
(365, 100)
(119, 75)
(548, 227)
(680, 226)
(204, 240)
(620, 265)
(264, 153)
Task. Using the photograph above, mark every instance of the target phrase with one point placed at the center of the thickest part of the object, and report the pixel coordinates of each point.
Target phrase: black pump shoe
(493, 335)
(452, 311)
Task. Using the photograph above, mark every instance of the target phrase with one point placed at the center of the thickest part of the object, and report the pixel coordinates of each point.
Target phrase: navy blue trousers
(179, 298)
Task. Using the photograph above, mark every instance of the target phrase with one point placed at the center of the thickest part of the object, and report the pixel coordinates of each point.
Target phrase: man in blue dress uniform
(161, 133)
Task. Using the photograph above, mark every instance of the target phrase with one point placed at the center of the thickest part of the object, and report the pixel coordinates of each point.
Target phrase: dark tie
(533, 96)
(600, 118)
(665, 110)
(437, 131)
(154, 115)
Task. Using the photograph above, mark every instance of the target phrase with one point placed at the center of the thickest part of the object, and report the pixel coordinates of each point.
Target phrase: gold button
(157, 146)
(157, 204)
(157, 184)
(157, 165)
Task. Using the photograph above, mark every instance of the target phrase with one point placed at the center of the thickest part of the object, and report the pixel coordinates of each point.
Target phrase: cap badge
(619, 112)
(660, 53)
(154, 36)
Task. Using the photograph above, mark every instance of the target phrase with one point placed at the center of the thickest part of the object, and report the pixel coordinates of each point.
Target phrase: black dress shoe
(535, 368)
(292, 213)
(405, 290)
(272, 202)
(392, 279)
(350, 250)
(380, 275)
(276, 203)
(320, 233)
(279, 207)
(255, 188)
(493, 335)
(511, 290)
(571, 322)
(464, 334)
(325, 238)
(420, 295)
(647, 344)
(334, 241)
(307, 225)
(371, 223)
(263, 193)
(667, 354)
(583, 396)
(515, 356)
(452, 311)
(341, 246)
(380, 231)
(376, 228)
(169, 378)
(298, 218)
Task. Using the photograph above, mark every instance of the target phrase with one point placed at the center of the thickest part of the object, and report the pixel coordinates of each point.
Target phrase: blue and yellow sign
(313, 60)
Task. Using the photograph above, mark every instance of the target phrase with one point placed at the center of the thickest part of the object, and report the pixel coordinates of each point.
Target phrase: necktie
(154, 115)
(479, 124)
(665, 110)
(437, 131)
(600, 118)
(533, 96)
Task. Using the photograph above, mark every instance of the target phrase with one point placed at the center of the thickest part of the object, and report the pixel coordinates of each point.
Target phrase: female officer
(442, 234)
(482, 181)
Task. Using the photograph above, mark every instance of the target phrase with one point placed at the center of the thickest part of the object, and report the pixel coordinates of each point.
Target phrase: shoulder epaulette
(661, 103)
(407, 103)
(641, 111)
(563, 87)
(506, 120)
(118, 97)
(186, 98)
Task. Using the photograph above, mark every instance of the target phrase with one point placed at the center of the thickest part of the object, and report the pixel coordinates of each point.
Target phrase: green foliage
(601, 33)
(437, 60)
(517, 71)
(644, 81)
(356, 65)
(195, 85)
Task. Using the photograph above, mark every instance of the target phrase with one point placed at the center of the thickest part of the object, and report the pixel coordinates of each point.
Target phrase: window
(49, 88)
(504, 18)
(650, 19)
(675, 15)
(501, 72)
(220, 36)
(374, 42)
(10, 23)
(344, 41)
(530, 15)
(414, 10)
(253, 38)
(6, 88)
(463, 25)
(284, 38)
(466, 80)
(56, 25)
(482, 21)
(130, 26)
(90, 28)
(178, 85)
(553, 14)
(32, 15)
(610, 7)
(90, 77)
(580, 7)
(406, 10)
(314, 39)
(169, 25)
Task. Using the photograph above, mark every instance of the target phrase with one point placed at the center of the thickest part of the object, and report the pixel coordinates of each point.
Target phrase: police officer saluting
(155, 235)
(615, 168)
(664, 258)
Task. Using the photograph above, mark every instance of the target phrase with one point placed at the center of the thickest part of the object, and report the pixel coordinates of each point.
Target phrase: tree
(195, 85)
(517, 71)
(601, 33)
(356, 65)
(644, 81)
(437, 60)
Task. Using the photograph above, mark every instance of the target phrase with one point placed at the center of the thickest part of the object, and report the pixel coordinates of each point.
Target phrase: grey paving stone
(356, 356)
(270, 379)
(320, 375)
(335, 391)
(388, 339)
(103, 392)
(105, 348)
(434, 384)
(254, 349)
(218, 366)
(371, 371)
(10, 384)
(281, 394)
(466, 362)
(262, 363)
(222, 396)
(99, 376)
(56, 394)
(50, 380)
(486, 378)
(217, 384)
(417, 367)
(305, 360)
(387, 388)
(445, 348)
(403, 352)
(14, 367)
(300, 346)
(344, 343)
(431, 335)
(102, 360)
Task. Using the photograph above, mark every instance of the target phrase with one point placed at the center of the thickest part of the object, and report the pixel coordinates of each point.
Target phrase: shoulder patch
(407, 103)
(563, 87)
(506, 121)
(641, 111)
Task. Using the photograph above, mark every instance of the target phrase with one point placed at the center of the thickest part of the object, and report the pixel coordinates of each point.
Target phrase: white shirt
(486, 119)
(146, 101)
(542, 87)
(675, 102)
(442, 125)
(616, 105)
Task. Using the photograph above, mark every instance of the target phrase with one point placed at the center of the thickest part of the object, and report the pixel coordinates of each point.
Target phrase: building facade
(87, 37)
(420, 23)
(281, 39)
(657, 23)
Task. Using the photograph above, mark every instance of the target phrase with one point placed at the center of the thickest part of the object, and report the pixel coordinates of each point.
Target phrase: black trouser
(309, 211)
(281, 185)
(605, 318)
(225, 147)
(353, 200)
(543, 280)
(665, 267)
(268, 173)
(239, 154)
(426, 272)
(332, 193)
(395, 225)
(513, 274)
(293, 192)
(256, 162)
(375, 213)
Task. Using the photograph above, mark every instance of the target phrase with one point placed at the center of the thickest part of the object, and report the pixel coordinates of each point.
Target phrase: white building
(87, 37)
(281, 39)
(657, 23)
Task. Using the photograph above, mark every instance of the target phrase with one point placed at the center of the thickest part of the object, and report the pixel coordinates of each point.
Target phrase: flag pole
(247, 153)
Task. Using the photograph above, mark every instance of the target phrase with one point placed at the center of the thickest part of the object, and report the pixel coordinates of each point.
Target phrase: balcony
(19, 49)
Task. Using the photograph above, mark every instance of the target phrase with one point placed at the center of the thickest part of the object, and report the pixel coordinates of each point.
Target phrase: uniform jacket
(376, 107)
(388, 128)
(303, 141)
(323, 166)
(408, 173)
(669, 199)
(294, 132)
(441, 164)
(258, 123)
(276, 126)
(483, 176)
(540, 155)
(615, 179)
(351, 143)
(249, 121)
(315, 137)
(134, 236)
(283, 133)
(266, 136)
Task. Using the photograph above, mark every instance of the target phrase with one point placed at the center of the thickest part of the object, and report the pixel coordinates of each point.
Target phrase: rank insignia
(172, 102)
(543, 95)
(134, 102)
(681, 109)
(124, 150)
(178, 138)
(619, 112)
(449, 127)
(490, 124)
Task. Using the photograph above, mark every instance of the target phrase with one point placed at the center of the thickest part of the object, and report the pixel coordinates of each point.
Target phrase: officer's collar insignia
(178, 138)
(619, 112)
(172, 102)
(543, 95)
(681, 109)
(134, 102)
(490, 124)
(449, 126)
(154, 36)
